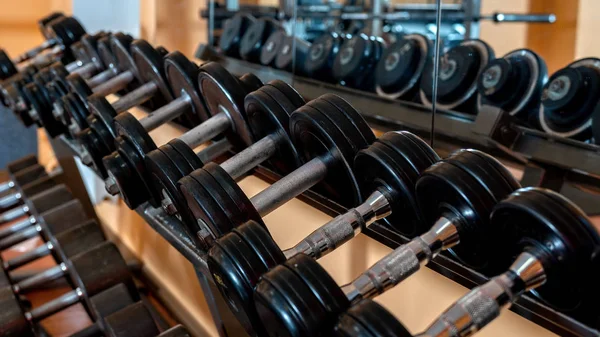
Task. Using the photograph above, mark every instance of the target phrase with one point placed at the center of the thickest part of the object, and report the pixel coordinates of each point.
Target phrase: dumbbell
(30, 181)
(62, 246)
(98, 140)
(39, 203)
(569, 99)
(459, 68)
(401, 66)
(549, 248)
(354, 64)
(327, 132)
(15, 166)
(272, 47)
(322, 54)
(388, 169)
(255, 36)
(514, 83)
(233, 30)
(456, 195)
(267, 113)
(92, 271)
(147, 67)
(223, 96)
(292, 55)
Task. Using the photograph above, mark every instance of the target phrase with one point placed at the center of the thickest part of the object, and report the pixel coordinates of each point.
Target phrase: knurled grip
(332, 235)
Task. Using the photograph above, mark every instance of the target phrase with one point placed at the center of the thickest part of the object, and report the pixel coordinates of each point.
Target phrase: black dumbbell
(15, 166)
(367, 318)
(292, 55)
(514, 83)
(569, 99)
(548, 247)
(91, 272)
(327, 132)
(134, 320)
(272, 47)
(61, 246)
(322, 54)
(233, 30)
(53, 221)
(401, 66)
(388, 169)
(223, 96)
(355, 63)
(255, 36)
(459, 68)
(39, 203)
(267, 113)
(456, 195)
(98, 140)
(30, 182)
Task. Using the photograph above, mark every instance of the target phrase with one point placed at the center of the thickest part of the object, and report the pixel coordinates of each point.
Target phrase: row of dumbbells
(466, 204)
(470, 74)
(35, 205)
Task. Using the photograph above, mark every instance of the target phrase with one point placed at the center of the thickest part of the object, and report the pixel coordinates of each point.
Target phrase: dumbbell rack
(172, 230)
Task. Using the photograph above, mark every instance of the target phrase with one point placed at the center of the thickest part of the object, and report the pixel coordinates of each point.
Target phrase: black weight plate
(165, 174)
(352, 58)
(257, 237)
(322, 54)
(272, 47)
(149, 64)
(43, 22)
(398, 65)
(95, 148)
(222, 91)
(120, 46)
(235, 271)
(375, 319)
(77, 50)
(412, 154)
(494, 164)
(7, 67)
(75, 111)
(235, 193)
(105, 52)
(201, 205)
(353, 115)
(255, 36)
(90, 44)
(445, 190)
(323, 287)
(182, 76)
(233, 30)
(222, 199)
(267, 117)
(250, 82)
(286, 304)
(290, 93)
(103, 134)
(174, 163)
(530, 220)
(66, 29)
(315, 137)
(431, 154)
(103, 112)
(121, 166)
(79, 86)
(186, 153)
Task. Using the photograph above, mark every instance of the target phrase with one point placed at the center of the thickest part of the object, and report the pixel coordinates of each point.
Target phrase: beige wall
(588, 23)
(504, 37)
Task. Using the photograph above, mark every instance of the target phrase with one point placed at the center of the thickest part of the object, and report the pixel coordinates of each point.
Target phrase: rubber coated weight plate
(149, 64)
(120, 46)
(222, 199)
(95, 148)
(267, 117)
(222, 91)
(90, 44)
(353, 115)
(182, 76)
(186, 153)
(445, 190)
(67, 30)
(250, 82)
(528, 219)
(7, 67)
(368, 318)
(121, 167)
(259, 239)
(22, 163)
(104, 113)
(43, 22)
(323, 288)
(352, 59)
(286, 303)
(233, 30)
(75, 111)
(255, 36)
(105, 52)
(321, 55)
(314, 136)
(79, 86)
(235, 278)
(272, 47)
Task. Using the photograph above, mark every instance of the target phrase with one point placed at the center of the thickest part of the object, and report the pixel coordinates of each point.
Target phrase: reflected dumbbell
(456, 195)
(37, 204)
(459, 68)
(98, 140)
(401, 66)
(322, 54)
(570, 98)
(267, 112)
(355, 63)
(221, 96)
(233, 31)
(389, 168)
(255, 37)
(292, 55)
(29, 182)
(327, 133)
(14, 167)
(272, 47)
(91, 272)
(514, 83)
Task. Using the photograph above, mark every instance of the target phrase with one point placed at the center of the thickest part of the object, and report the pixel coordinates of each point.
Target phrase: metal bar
(214, 150)
(251, 156)
(85, 70)
(13, 214)
(56, 305)
(166, 113)
(43, 277)
(19, 237)
(30, 256)
(115, 84)
(136, 97)
(101, 77)
(17, 227)
(206, 131)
